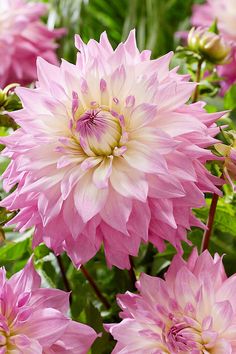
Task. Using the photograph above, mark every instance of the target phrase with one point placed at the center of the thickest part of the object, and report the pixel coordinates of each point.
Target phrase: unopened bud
(210, 45)
(3, 97)
(228, 152)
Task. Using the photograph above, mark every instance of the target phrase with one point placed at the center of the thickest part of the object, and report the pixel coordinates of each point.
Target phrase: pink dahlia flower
(22, 38)
(192, 311)
(224, 11)
(33, 320)
(108, 152)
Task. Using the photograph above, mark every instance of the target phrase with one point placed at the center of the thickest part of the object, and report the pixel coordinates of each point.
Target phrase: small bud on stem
(211, 46)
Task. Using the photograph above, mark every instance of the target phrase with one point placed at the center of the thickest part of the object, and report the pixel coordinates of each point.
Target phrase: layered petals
(187, 312)
(109, 153)
(23, 37)
(34, 320)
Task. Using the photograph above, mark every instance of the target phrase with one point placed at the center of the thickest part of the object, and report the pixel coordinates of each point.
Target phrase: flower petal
(127, 183)
(46, 326)
(102, 173)
(116, 211)
(89, 200)
(144, 158)
(77, 339)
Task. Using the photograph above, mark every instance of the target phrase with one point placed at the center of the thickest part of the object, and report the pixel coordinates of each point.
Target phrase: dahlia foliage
(193, 310)
(109, 152)
(22, 39)
(224, 12)
(33, 320)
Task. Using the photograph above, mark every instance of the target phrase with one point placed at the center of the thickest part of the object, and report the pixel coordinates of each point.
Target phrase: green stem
(210, 222)
(198, 79)
(64, 276)
(132, 274)
(95, 287)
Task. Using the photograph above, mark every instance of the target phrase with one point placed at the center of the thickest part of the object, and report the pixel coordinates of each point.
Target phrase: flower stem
(132, 274)
(64, 277)
(210, 222)
(95, 287)
(198, 79)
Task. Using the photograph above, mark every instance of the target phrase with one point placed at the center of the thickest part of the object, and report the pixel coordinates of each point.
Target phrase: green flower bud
(3, 98)
(228, 151)
(209, 45)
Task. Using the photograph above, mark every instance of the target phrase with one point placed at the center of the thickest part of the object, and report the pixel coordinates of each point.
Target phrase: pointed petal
(116, 211)
(46, 326)
(127, 183)
(102, 173)
(89, 200)
(25, 280)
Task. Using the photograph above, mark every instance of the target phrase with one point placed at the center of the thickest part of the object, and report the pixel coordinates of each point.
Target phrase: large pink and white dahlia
(192, 311)
(108, 152)
(33, 320)
(224, 11)
(22, 38)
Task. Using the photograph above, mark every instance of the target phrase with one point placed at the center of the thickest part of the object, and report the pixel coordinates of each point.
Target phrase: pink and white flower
(22, 39)
(34, 320)
(224, 11)
(193, 310)
(108, 152)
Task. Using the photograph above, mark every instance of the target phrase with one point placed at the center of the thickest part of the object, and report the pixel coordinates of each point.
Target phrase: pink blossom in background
(228, 71)
(109, 153)
(34, 320)
(192, 311)
(224, 11)
(22, 39)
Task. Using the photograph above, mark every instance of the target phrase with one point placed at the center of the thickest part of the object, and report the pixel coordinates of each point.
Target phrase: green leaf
(214, 28)
(49, 272)
(13, 251)
(225, 219)
(41, 251)
(230, 98)
(104, 344)
(223, 239)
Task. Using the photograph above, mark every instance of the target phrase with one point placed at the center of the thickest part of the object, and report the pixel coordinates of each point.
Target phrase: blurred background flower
(23, 37)
(224, 13)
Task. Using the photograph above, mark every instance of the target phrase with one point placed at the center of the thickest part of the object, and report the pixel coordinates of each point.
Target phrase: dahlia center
(182, 338)
(98, 132)
(4, 336)
(3, 339)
